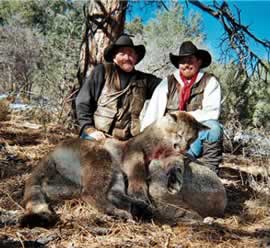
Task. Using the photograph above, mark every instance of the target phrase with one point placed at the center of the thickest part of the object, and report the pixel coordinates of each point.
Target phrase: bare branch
(206, 8)
(237, 35)
(164, 5)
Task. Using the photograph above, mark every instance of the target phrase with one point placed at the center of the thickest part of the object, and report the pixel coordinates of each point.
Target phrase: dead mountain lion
(109, 174)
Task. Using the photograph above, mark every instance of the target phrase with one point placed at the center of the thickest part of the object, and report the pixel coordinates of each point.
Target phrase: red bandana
(185, 92)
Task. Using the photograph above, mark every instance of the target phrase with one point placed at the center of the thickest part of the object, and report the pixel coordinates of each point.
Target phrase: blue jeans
(214, 134)
(86, 136)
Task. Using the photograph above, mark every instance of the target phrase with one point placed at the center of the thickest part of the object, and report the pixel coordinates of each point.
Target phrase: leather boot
(212, 155)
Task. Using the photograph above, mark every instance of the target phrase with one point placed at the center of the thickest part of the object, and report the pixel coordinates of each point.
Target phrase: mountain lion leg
(136, 171)
(109, 192)
(48, 182)
(38, 212)
(117, 195)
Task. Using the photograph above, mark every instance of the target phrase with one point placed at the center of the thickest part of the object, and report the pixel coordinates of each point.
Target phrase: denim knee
(86, 136)
(215, 132)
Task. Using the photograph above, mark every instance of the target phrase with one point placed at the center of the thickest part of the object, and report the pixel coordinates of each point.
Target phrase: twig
(19, 237)
(8, 195)
(167, 241)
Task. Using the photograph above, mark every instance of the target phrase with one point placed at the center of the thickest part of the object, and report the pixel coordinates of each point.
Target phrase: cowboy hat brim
(110, 51)
(202, 54)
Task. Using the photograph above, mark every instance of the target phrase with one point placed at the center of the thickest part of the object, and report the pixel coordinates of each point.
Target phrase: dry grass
(4, 110)
(245, 224)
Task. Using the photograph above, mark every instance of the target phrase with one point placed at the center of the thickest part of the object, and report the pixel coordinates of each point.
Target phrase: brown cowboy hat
(188, 48)
(123, 41)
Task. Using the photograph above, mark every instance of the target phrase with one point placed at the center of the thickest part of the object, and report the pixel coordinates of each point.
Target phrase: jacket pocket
(103, 118)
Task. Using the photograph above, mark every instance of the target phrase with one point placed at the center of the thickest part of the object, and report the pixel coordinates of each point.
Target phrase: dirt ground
(246, 222)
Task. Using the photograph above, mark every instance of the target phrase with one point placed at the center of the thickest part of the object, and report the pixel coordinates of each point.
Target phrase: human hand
(95, 134)
(98, 135)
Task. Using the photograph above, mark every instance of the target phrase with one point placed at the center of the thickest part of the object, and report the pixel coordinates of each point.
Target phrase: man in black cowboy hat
(197, 92)
(112, 97)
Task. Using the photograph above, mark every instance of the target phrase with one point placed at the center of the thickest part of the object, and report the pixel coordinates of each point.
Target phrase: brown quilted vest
(196, 95)
(118, 110)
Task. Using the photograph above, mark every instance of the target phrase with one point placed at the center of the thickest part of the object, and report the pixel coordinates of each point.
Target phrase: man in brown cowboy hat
(112, 97)
(197, 92)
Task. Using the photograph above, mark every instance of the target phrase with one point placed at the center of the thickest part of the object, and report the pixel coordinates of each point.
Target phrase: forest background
(40, 44)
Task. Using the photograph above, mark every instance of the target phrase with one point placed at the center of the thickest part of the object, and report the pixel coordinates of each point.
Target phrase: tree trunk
(104, 22)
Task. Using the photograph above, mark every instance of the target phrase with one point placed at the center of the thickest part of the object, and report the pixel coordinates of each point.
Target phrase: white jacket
(210, 104)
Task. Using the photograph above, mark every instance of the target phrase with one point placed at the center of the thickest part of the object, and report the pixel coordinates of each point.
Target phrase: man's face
(189, 66)
(125, 58)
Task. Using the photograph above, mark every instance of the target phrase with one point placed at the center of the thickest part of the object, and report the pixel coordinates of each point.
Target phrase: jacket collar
(179, 80)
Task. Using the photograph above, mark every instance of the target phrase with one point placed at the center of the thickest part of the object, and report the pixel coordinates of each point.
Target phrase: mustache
(186, 67)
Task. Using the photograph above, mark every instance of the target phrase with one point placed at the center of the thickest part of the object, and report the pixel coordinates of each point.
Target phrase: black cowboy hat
(123, 41)
(188, 48)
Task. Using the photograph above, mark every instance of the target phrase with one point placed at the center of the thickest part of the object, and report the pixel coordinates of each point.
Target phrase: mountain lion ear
(201, 127)
(172, 117)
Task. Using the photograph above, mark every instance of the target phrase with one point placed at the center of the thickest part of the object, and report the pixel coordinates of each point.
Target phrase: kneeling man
(197, 92)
